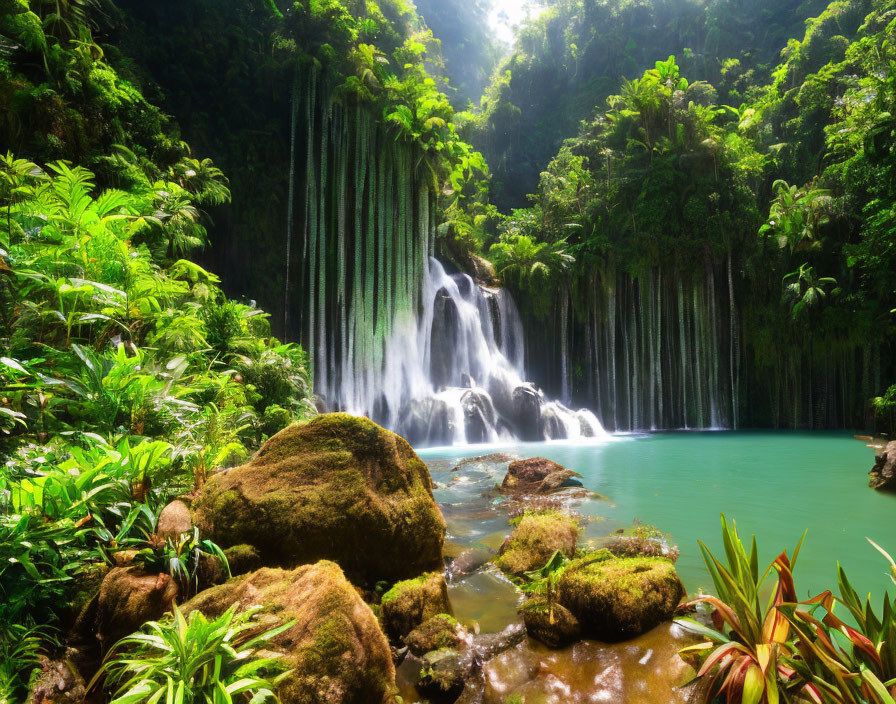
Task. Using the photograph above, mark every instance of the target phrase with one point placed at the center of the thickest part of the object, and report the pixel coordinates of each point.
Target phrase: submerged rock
(536, 475)
(128, 598)
(535, 539)
(883, 474)
(615, 598)
(490, 459)
(550, 623)
(441, 631)
(411, 602)
(339, 488)
(336, 650)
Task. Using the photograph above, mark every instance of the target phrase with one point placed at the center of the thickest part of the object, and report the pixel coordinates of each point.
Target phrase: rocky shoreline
(333, 530)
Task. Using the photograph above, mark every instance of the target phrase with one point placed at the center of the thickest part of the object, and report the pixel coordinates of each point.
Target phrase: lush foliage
(127, 377)
(575, 54)
(195, 660)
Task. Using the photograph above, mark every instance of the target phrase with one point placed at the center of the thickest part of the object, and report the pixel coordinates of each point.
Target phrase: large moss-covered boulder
(339, 488)
(535, 539)
(335, 648)
(411, 602)
(615, 598)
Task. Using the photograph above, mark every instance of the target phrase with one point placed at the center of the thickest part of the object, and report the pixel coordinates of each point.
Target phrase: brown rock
(129, 597)
(550, 623)
(535, 475)
(335, 647)
(174, 521)
(883, 474)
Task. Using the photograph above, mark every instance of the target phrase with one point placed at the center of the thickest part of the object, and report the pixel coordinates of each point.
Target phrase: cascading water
(454, 374)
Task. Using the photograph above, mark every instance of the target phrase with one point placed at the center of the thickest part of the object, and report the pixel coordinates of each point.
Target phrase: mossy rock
(615, 598)
(411, 602)
(335, 648)
(441, 631)
(551, 624)
(128, 598)
(243, 559)
(535, 539)
(339, 488)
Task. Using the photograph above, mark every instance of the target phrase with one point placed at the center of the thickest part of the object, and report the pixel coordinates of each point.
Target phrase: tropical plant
(195, 660)
(746, 657)
(20, 647)
(182, 557)
(806, 290)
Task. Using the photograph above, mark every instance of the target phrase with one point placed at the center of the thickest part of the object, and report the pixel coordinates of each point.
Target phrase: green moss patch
(339, 488)
(535, 538)
(615, 598)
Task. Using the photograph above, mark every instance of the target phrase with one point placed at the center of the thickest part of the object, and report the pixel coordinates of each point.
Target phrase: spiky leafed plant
(194, 660)
(745, 658)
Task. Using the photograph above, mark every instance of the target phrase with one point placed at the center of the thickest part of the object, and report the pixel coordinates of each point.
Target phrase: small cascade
(454, 374)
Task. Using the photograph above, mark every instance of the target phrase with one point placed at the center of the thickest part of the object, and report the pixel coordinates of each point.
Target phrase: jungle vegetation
(150, 159)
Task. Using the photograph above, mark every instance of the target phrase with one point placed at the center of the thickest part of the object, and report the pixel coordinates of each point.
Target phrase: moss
(411, 602)
(242, 559)
(536, 537)
(441, 631)
(550, 623)
(616, 598)
(334, 647)
(337, 487)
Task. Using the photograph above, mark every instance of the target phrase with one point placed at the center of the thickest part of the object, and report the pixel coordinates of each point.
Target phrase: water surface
(774, 484)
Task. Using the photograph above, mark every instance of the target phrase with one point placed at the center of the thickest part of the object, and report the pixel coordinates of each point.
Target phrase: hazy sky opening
(506, 15)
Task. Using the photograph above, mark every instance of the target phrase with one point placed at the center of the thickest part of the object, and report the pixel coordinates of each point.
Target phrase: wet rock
(411, 602)
(339, 488)
(128, 598)
(552, 425)
(536, 475)
(336, 650)
(445, 339)
(883, 474)
(535, 539)
(615, 598)
(59, 682)
(450, 675)
(550, 623)
(441, 631)
(479, 415)
(427, 421)
(467, 563)
(526, 402)
(490, 459)
(174, 520)
(444, 675)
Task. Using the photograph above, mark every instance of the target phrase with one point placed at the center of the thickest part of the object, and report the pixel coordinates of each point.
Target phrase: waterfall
(667, 352)
(454, 373)
(438, 358)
